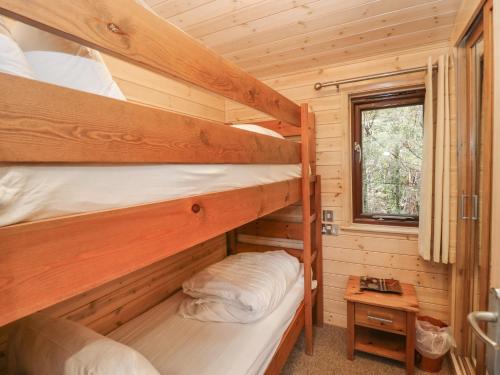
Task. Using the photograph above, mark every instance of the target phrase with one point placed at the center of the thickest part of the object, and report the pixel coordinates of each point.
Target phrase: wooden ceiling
(273, 37)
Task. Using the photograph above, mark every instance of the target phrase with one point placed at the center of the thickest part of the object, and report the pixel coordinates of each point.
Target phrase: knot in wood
(195, 208)
(113, 28)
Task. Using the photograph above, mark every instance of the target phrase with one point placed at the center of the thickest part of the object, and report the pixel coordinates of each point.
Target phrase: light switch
(328, 216)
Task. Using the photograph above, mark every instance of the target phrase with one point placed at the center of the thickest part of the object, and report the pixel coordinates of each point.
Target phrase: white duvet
(242, 288)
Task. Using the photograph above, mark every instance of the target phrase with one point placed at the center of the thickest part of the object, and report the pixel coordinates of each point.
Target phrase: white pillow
(258, 129)
(242, 288)
(42, 345)
(62, 62)
(12, 59)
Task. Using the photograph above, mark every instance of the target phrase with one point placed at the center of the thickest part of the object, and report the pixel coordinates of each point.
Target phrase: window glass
(387, 158)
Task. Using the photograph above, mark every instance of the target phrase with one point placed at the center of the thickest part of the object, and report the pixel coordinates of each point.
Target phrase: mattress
(34, 192)
(175, 345)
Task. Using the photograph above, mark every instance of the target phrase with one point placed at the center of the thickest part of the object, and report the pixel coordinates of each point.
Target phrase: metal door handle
(475, 207)
(483, 316)
(381, 320)
(463, 216)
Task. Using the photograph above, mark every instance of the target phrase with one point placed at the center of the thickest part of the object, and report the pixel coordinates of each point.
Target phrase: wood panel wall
(380, 251)
(109, 306)
(145, 87)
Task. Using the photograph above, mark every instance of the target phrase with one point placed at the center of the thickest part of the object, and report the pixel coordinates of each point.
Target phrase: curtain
(434, 227)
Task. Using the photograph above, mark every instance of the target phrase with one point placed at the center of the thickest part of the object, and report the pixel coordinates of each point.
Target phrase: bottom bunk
(126, 312)
(177, 345)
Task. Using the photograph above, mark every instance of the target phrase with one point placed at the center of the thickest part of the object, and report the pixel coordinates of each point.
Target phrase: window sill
(385, 229)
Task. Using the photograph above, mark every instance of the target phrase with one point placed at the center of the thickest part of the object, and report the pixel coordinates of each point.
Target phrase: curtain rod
(320, 85)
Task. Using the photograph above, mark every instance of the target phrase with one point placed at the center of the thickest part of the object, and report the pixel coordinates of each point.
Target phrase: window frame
(375, 101)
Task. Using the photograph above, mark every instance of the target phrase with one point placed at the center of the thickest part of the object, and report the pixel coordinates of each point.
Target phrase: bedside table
(381, 323)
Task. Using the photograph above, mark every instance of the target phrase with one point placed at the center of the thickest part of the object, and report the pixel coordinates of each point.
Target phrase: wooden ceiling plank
(171, 8)
(331, 33)
(291, 21)
(260, 10)
(403, 42)
(208, 11)
(321, 15)
(365, 37)
(135, 34)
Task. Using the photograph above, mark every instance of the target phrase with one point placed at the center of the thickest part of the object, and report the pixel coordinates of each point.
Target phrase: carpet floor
(330, 358)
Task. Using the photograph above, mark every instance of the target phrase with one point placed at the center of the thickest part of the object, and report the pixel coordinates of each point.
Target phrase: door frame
(482, 27)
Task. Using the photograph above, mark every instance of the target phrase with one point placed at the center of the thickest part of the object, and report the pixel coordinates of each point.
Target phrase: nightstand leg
(410, 343)
(350, 331)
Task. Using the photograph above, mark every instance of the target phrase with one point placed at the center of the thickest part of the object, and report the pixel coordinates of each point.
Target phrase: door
(491, 339)
(474, 160)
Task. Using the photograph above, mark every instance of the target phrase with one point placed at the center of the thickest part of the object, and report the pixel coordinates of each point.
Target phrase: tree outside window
(387, 157)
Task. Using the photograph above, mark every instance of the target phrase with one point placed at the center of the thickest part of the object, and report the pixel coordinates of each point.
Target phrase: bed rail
(45, 262)
(129, 31)
(40, 122)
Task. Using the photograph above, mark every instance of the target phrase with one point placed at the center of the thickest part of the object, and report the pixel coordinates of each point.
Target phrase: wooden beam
(273, 228)
(46, 262)
(242, 247)
(285, 129)
(129, 31)
(318, 247)
(306, 220)
(46, 123)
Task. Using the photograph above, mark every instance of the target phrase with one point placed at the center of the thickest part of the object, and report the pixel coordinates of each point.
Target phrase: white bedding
(33, 192)
(242, 288)
(175, 345)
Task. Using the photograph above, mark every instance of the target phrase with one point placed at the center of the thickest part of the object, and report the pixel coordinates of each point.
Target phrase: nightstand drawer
(380, 318)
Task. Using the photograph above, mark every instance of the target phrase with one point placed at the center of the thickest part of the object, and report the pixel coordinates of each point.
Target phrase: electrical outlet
(328, 216)
(327, 229)
(330, 229)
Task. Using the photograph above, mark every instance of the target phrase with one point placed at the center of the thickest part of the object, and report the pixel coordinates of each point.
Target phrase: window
(387, 136)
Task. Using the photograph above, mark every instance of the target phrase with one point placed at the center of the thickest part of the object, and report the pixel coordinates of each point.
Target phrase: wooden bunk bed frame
(48, 261)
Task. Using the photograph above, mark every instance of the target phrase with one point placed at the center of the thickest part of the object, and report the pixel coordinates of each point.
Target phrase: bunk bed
(44, 262)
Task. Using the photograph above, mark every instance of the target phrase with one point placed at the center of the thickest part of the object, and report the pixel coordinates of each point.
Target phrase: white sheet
(175, 345)
(78, 73)
(242, 288)
(33, 192)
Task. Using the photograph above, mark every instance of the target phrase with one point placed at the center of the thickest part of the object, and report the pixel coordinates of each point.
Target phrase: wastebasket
(433, 341)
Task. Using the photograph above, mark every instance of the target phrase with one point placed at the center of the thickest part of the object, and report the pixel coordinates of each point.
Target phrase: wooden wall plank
(127, 30)
(45, 123)
(359, 252)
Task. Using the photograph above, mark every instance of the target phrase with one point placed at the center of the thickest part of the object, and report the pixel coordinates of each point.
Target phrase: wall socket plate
(330, 229)
(328, 216)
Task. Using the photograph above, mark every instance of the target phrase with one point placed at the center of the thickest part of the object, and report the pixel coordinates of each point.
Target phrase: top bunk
(46, 261)
(75, 127)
